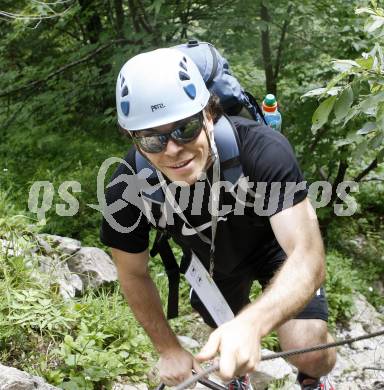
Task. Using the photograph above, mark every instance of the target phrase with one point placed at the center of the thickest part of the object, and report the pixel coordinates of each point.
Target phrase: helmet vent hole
(184, 59)
(183, 66)
(125, 108)
(122, 81)
(190, 90)
(184, 76)
(124, 92)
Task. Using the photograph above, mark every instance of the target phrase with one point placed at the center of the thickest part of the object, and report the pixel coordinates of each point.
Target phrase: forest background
(59, 61)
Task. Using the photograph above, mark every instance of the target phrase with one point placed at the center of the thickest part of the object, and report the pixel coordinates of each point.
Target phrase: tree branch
(119, 13)
(322, 173)
(319, 135)
(133, 11)
(143, 18)
(281, 43)
(266, 50)
(343, 166)
(372, 179)
(365, 171)
(86, 58)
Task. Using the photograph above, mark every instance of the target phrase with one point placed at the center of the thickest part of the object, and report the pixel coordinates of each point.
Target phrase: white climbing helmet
(159, 87)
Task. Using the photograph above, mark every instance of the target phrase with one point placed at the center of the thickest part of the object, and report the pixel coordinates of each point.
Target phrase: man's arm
(302, 274)
(175, 363)
(238, 341)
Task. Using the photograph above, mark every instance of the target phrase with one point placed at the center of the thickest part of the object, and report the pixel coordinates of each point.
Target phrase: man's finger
(196, 367)
(210, 349)
(228, 363)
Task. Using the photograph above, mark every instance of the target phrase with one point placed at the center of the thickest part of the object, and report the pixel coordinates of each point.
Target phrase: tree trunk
(270, 81)
(283, 35)
(119, 11)
(92, 20)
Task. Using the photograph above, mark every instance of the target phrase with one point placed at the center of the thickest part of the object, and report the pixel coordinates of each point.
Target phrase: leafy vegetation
(83, 343)
(57, 116)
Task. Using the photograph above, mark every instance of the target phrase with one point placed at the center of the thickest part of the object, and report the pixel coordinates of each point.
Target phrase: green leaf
(368, 105)
(348, 140)
(71, 360)
(320, 116)
(380, 156)
(365, 63)
(375, 23)
(344, 65)
(320, 91)
(354, 111)
(364, 10)
(360, 150)
(343, 103)
(376, 141)
(380, 117)
(367, 128)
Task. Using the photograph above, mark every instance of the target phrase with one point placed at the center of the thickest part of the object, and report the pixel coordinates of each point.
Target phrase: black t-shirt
(244, 240)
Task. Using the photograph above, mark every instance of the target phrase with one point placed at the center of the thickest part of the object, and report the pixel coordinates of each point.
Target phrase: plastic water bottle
(271, 113)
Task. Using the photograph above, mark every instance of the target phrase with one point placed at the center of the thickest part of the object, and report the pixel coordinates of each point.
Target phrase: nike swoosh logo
(186, 231)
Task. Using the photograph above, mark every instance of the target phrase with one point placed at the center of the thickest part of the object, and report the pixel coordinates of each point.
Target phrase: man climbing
(266, 232)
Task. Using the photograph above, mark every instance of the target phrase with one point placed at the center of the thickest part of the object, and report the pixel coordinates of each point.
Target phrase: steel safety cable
(215, 367)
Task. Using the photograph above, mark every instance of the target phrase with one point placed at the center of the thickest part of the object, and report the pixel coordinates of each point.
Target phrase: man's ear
(207, 115)
(208, 122)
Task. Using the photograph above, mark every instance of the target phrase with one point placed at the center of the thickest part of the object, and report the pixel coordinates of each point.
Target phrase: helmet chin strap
(213, 154)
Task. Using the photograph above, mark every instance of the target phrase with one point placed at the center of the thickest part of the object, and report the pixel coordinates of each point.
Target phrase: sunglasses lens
(188, 131)
(152, 144)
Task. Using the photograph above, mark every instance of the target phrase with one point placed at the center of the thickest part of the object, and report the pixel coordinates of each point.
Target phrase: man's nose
(172, 148)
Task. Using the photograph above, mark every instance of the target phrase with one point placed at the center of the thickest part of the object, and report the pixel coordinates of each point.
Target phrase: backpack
(217, 76)
(215, 71)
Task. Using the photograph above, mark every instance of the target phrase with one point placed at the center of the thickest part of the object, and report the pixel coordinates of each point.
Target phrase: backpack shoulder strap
(227, 143)
(142, 163)
(161, 244)
(162, 247)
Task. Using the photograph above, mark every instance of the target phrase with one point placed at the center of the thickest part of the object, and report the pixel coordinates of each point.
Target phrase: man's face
(182, 162)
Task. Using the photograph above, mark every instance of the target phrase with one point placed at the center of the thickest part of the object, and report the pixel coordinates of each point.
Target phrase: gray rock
(348, 386)
(13, 379)
(358, 242)
(366, 314)
(56, 271)
(358, 365)
(187, 342)
(129, 386)
(43, 244)
(93, 266)
(62, 244)
(271, 370)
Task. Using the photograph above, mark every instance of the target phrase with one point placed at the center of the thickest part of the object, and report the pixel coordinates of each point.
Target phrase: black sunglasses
(186, 131)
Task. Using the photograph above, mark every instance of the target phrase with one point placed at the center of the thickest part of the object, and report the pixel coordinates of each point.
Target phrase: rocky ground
(360, 366)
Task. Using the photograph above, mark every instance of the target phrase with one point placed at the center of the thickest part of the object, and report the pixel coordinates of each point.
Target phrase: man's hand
(176, 365)
(238, 342)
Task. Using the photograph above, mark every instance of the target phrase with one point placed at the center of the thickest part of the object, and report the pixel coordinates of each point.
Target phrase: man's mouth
(180, 164)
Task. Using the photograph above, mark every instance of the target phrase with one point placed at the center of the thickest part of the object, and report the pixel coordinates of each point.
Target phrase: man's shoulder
(258, 142)
(127, 164)
(250, 130)
(122, 175)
